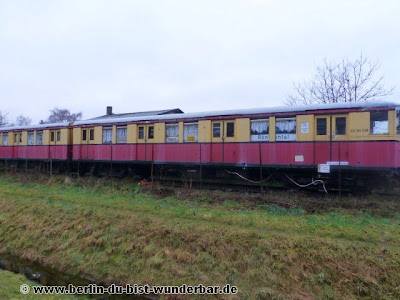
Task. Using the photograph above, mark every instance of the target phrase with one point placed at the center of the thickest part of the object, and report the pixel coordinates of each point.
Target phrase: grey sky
(196, 55)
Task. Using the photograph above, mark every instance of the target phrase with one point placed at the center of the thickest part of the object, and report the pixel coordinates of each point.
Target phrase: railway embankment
(278, 245)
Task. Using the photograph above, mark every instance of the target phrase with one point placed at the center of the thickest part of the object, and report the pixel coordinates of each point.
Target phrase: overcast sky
(196, 55)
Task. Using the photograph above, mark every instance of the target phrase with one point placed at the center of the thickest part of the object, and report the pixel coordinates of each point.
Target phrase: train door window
(52, 136)
(141, 133)
(15, 138)
(84, 134)
(172, 133)
(230, 129)
(340, 127)
(379, 122)
(31, 138)
(285, 129)
(150, 132)
(91, 134)
(5, 139)
(398, 121)
(259, 130)
(190, 132)
(121, 134)
(39, 137)
(58, 135)
(217, 130)
(321, 126)
(107, 135)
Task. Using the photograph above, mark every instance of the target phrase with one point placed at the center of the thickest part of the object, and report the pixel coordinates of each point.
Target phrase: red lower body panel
(34, 152)
(355, 154)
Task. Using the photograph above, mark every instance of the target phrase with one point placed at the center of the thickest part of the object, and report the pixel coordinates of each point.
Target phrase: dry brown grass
(269, 252)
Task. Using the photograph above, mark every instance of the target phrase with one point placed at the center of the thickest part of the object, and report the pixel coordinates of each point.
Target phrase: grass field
(271, 246)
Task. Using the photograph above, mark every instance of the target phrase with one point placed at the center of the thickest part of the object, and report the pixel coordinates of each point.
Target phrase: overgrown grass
(118, 233)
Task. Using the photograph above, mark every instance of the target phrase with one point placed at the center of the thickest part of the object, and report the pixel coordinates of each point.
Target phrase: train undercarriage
(340, 178)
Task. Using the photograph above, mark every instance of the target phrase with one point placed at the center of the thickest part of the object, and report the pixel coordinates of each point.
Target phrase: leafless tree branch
(346, 81)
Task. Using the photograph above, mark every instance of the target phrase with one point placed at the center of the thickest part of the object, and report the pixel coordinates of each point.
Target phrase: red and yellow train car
(354, 135)
(36, 142)
(360, 137)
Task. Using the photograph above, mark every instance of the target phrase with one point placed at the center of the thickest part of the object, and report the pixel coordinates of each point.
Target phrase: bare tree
(63, 115)
(23, 121)
(3, 119)
(346, 81)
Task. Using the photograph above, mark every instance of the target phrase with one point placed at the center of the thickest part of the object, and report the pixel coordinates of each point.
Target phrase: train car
(44, 142)
(361, 140)
(357, 136)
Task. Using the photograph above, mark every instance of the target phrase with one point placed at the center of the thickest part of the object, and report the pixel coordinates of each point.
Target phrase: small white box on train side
(324, 168)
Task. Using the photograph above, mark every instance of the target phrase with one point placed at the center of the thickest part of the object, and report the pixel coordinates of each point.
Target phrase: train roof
(249, 111)
(140, 114)
(222, 113)
(33, 127)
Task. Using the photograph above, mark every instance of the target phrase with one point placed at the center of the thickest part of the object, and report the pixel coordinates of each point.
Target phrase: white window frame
(5, 139)
(122, 134)
(174, 137)
(107, 135)
(190, 138)
(285, 136)
(260, 137)
(39, 138)
(379, 127)
(31, 138)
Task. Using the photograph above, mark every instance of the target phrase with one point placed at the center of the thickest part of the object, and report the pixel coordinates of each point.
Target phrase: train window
(340, 127)
(31, 138)
(141, 133)
(5, 139)
(321, 126)
(217, 130)
(172, 133)
(91, 134)
(84, 134)
(230, 129)
(379, 122)
(190, 132)
(107, 135)
(121, 134)
(150, 134)
(52, 136)
(259, 130)
(18, 137)
(285, 129)
(39, 137)
(398, 121)
(58, 135)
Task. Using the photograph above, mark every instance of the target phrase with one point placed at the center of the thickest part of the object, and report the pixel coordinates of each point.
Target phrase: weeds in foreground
(129, 234)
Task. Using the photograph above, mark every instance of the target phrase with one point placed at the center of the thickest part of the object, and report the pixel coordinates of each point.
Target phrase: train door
(339, 136)
(322, 147)
(330, 132)
(85, 144)
(145, 142)
(223, 131)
